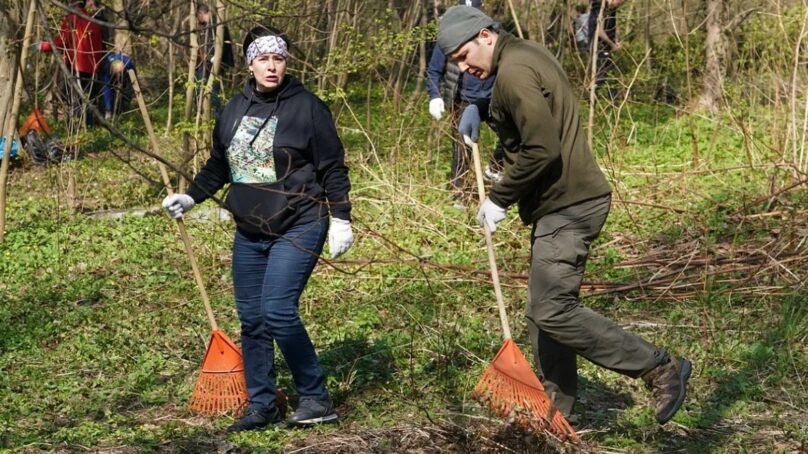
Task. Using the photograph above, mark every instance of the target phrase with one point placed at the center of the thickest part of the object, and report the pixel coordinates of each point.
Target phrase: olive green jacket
(548, 164)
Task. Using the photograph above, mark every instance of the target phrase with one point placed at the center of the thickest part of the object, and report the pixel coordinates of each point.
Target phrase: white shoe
(492, 175)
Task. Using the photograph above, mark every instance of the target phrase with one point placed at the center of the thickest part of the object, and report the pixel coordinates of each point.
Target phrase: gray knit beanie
(461, 24)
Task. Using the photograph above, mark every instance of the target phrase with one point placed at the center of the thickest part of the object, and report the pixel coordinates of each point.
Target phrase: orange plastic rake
(509, 387)
(221, 387)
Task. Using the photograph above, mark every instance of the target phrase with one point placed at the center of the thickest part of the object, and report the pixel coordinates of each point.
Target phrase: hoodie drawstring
(275, 106)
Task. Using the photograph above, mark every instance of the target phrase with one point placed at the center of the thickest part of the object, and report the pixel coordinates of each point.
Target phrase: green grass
(103, 329)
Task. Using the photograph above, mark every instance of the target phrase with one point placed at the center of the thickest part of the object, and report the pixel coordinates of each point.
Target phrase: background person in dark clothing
(580, 26)
(552, 175)
(608, 39)
(101, 13)
(277, 146)
(458, 91)
(206, 35)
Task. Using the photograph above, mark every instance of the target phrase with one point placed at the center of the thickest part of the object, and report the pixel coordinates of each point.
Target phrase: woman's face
(268, 70)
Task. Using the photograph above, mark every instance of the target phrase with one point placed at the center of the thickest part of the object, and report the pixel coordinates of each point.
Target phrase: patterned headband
(267, 45)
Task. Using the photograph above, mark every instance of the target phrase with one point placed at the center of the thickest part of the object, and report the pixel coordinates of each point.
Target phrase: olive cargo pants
(559, 327)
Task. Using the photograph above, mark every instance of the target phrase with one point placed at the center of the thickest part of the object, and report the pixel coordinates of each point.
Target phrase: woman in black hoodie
(277, 146)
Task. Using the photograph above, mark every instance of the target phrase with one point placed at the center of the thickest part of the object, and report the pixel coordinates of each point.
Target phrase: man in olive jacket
(551, 174)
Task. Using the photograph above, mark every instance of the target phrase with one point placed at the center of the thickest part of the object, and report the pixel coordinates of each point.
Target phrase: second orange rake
(509, 387)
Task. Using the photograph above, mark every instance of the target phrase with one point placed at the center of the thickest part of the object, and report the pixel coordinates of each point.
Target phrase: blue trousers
(269, 275)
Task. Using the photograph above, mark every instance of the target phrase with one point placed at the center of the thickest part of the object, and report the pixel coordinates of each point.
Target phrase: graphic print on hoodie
(251, 152)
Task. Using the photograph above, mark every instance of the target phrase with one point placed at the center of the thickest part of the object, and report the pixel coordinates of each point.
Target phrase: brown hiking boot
(668, 384)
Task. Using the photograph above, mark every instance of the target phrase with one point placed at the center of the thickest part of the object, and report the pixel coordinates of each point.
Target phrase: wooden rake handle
(492, 258)
(167, 182)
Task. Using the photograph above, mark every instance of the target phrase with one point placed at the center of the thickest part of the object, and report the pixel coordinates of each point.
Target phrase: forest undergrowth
(103, 329)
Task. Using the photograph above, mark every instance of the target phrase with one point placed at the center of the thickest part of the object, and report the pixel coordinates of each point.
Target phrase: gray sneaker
(255, 419)
(313, 411)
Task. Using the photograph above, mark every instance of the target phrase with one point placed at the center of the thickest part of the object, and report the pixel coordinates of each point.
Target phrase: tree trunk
(515, 17)
(333, 11)
(715, 56)
(218, 48)
(6, 64)
(648, 39)
(422, 56)
(15, 109)
(694, 143)
(411, 16)
(593, 67)
(190, 89)
(172, 66)
(123, 39)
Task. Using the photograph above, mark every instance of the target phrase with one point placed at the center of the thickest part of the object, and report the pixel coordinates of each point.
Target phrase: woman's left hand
(340, 237)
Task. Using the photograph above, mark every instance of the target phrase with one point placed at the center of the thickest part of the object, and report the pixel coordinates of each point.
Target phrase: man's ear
(485, 36)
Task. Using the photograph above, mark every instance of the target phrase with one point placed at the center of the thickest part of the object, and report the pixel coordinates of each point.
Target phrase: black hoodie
(282, 157)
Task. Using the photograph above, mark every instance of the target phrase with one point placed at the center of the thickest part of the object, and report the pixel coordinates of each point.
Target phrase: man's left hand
(490, 214)
(469, 124)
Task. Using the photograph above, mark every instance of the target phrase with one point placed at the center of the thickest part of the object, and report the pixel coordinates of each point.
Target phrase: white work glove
(469, 124)
(436, 108)
(490, 213)
(177, 204)
(340, 237)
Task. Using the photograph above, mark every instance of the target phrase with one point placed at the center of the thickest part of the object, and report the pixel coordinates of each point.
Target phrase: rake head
(510, 388)
(221, 387)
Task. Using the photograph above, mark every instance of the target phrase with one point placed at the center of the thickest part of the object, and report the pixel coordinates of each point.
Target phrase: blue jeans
(269, 275)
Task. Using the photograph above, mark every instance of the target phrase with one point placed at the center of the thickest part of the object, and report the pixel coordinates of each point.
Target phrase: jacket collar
(504, 40)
